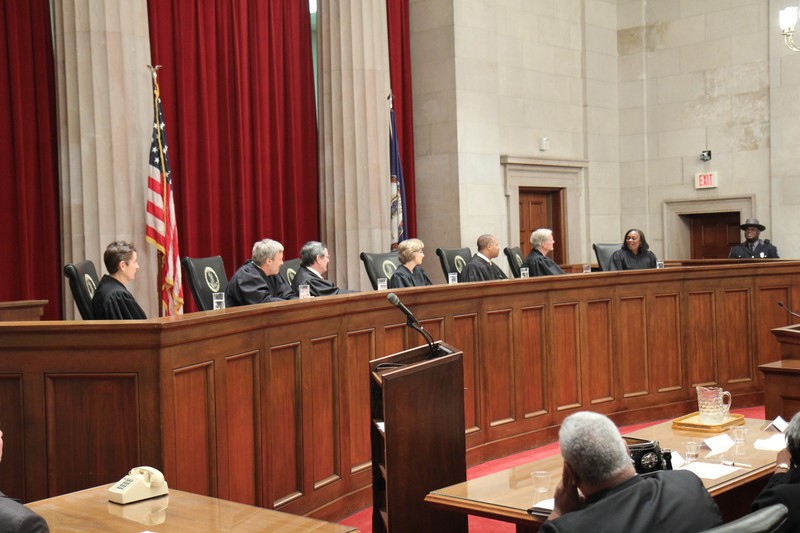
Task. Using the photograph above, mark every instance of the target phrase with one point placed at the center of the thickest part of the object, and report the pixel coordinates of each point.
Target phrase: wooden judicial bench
(22, 310)
(269, 404)
(782, 377)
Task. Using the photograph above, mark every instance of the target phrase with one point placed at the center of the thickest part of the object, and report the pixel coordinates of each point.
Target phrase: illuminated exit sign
(706, 180)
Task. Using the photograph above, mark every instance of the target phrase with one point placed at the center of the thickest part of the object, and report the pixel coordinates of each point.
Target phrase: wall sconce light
(705, 155)
(788, 20)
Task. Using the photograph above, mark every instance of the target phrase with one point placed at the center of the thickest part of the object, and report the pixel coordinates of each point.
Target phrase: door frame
(677, 231)
(547, 173)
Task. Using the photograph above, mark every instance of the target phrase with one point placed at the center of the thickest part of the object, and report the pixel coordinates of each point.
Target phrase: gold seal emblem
(212, 280)
(460, 263)
(90, 286)
(388, 268)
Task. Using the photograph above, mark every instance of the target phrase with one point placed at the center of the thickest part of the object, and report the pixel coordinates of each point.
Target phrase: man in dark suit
(753, 247)
(481, 267)
(15, 517)
(784, 485)
(615, 498)
(259, 280)
(314, 259)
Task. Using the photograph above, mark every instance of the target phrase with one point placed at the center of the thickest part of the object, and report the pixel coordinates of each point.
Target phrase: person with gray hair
(15, 517)
(259, 280)
(314, 259)
(601, 492)
(537, 262)
(784, 485)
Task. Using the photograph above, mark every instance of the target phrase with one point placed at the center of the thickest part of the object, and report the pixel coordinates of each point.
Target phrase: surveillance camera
(705, 155)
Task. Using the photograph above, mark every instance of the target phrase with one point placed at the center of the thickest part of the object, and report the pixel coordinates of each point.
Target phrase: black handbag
(647, 456)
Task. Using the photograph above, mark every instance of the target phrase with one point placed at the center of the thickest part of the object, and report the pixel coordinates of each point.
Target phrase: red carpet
(363, 519)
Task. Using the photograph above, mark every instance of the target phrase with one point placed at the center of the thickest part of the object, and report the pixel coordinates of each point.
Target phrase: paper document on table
(719, 444)
(779, 423)
(543, 507)
(775, 443)
(709, 470)
(677, 460)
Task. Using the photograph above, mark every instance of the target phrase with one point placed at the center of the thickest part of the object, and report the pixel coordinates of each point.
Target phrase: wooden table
(89, 511)
(506, 495)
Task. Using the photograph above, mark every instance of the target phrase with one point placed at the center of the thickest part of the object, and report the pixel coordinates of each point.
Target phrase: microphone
(780, 304)
(413, 323)
(395, 301)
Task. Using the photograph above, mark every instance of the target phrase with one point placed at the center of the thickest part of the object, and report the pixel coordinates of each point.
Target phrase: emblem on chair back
(212, 280)
(460, 263)
(90, 286)
(388, 268)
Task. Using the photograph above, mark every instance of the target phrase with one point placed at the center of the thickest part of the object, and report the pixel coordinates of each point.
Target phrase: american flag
(398, 227)
(161, 230)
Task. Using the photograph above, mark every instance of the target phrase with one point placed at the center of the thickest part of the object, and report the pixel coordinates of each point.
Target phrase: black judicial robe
(403, 277)
(763, 249)
(478, 269)
(250, 285)
(540, 265)
(783, 488)
(16, 518)
(112, 301)
(672, 500)
(624, 259)
(317, 286)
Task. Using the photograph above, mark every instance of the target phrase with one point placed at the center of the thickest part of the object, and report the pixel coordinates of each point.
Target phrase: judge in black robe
(537, 262)
(481, 267)
(635, 253)
(784, 485)
(753, 247)
(259, 281)
(409, 274)
(111, 300)
(314, 259)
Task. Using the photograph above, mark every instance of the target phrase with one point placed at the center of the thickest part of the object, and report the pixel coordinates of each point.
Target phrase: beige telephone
(141, 483)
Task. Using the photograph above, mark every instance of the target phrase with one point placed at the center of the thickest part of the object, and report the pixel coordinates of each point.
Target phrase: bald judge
(481, 267)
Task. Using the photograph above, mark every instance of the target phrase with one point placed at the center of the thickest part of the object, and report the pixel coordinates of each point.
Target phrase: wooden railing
(269, 404)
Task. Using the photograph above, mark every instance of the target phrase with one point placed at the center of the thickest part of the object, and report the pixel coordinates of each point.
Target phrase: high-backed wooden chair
(379, 266)
(514, 256)
(206, 275)
(453, 259)
(603, 251)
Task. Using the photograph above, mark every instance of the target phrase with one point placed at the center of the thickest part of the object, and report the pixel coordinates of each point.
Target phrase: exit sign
(706, 180)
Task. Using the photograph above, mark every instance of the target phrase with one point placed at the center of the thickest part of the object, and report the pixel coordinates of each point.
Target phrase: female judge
(409, 273)
(635, 253)
(111, 300)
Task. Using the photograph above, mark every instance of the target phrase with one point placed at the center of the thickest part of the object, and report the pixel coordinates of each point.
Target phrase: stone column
(354, 133)
(105, 121)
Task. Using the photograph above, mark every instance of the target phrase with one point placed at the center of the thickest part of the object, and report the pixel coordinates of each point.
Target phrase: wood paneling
(12, 469)
(270, 403)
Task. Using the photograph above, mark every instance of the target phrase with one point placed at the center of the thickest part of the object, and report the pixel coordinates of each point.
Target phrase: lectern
(417, 433)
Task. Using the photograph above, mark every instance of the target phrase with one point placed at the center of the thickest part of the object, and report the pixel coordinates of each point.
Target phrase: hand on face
(567, 498)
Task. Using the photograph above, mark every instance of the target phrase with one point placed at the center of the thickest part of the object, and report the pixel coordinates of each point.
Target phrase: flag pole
(159, 254)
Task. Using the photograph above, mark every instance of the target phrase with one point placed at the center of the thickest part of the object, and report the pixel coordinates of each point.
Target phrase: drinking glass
(305, 291)
(219, 300)
(452, 278)
(541, 480)
(383, 283)
(524, 272)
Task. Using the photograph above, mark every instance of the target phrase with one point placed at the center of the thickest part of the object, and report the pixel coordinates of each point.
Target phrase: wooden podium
(782, 378)
(417, 434)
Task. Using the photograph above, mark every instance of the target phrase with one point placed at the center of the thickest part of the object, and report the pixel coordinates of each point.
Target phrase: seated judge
(111, 300)
(601, 492)
(784, 485)
(259, 280)
(537, 262)
(314, 259)
(409, 273)
(481, 267)
(635, 253)
(753, 247)
(15, 517)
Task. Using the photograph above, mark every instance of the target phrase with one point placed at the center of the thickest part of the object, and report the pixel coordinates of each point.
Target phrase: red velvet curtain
(237, 89)
(30, 268)
(400, 70)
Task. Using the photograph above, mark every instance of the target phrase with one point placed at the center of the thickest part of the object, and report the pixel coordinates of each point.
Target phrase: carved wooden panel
(464, 336)
(598, 371)
(324, 411)
(665, 353)
(360, 351)
(284, 431)
(531, 367)
(770, 316)
(700, 334)
(394, 340)
(194, 429)
(566, 356)
(499, 380)
(12, 468)
(735, 364)
(242, 393)
(633, 346)
(92, 426)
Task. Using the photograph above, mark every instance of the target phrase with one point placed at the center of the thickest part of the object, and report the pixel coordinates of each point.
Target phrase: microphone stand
(781, 305)
(427, 336)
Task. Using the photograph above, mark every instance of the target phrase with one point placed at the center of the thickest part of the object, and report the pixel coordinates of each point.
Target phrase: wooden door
(542, 208)
(713, 234)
